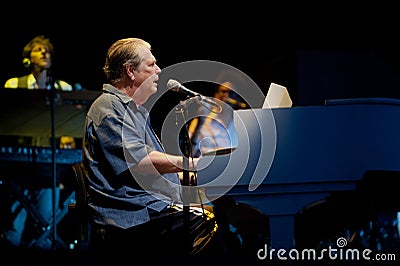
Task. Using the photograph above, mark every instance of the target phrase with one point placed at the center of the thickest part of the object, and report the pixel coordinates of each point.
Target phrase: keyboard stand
(43, 227)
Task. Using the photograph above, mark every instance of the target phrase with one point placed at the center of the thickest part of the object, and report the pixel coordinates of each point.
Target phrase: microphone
(178, 87)
(26, 62)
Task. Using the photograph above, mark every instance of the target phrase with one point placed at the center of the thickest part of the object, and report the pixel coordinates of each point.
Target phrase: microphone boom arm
(178, 87)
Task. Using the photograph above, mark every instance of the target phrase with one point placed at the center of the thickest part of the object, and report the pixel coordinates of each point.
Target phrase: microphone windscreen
(173, 84)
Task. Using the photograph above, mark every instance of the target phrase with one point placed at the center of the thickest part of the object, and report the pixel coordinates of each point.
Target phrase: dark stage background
(317, 52)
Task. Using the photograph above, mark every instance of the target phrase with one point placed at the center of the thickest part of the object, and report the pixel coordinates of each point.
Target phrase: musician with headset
(37, 57)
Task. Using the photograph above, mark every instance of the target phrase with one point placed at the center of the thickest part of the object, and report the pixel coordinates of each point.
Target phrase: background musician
(37, 59)
(211, 130)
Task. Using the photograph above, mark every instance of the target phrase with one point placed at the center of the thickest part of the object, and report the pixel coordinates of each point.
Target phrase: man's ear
(130, 71)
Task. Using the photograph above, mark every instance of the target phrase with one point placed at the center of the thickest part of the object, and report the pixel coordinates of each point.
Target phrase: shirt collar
(113, 90)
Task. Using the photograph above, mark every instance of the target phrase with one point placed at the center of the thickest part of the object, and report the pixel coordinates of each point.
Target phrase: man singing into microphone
(134, 186)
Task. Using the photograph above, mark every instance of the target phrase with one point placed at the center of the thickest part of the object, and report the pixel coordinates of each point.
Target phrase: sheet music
(277, 97)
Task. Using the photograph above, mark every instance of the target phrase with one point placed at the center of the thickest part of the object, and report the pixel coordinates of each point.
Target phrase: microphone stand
(52, 89)
(186, 154)
(186, 147)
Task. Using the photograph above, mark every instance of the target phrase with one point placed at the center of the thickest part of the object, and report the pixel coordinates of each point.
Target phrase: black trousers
(167, 235)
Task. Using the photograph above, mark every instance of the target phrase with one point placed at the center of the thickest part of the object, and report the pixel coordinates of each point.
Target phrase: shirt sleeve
(11, 83)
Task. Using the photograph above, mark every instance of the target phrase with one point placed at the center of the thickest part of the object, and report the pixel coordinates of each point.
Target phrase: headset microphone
(26, 62)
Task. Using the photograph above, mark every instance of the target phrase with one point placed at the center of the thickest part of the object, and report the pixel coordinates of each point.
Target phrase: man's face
(222, 93)
(40, 56)
(147, 74)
